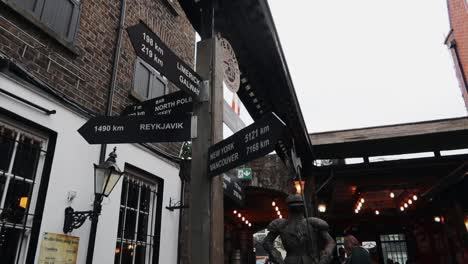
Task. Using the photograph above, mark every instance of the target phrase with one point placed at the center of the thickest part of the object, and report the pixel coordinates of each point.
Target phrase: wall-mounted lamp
(322, 208)
(299, 185)
(106, 176)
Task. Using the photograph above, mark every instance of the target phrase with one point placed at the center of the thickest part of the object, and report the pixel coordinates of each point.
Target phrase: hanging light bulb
(235, 212)
(239, 215)
(415, 197)
(392, 195)
(402, 208)
(362, 200)
(377, 212)
(280, 216)
(405, 205)
(273, 203)
(278, 213)
(410, 201)
(276, 208)
(243, 219)
(356, 211)
(250, 224)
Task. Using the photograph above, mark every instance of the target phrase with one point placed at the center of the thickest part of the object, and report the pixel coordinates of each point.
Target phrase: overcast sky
(365, 62)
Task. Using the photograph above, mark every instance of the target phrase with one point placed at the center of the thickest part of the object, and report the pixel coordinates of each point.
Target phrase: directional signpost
(233, 189)
(156, 53)
(136, 129)
(248, 144)
(170, 104)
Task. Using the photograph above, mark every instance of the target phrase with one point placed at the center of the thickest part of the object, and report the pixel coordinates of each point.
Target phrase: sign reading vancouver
(136, 129)
(149, 47)
(248, 144)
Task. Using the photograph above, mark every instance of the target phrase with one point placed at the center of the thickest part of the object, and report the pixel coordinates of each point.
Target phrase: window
(147, 82)
(394, 248)
(22, 156)
(58, 18)
(139, 219)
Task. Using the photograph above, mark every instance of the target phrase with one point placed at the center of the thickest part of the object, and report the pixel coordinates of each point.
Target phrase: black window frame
(144, 176)
(44, 184)
(35, 17)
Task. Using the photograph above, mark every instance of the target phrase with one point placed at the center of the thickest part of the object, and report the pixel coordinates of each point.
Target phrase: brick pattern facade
(458, 14)
(83, 73)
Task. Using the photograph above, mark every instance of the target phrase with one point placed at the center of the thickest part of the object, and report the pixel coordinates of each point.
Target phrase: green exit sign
(244, 174)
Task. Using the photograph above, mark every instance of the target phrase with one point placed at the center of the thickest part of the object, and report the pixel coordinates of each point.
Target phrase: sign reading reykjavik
(136, 129)
(173, 103)
(152, 50)
(248, 144)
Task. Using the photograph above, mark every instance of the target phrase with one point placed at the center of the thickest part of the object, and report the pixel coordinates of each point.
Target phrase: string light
(235, 212)
(362, 200)
(405, 205)
(276, 208)
(415, 197)
(356, 211)
(278, 213)
(243, 219)
(410, 201)
(377, 212)
(250, 224)
(273, 203)
(402, 208)
(392, 195)
(280, 216)
(239, 215)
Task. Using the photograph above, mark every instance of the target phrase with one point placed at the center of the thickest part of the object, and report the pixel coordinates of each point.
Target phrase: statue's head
(295, 203)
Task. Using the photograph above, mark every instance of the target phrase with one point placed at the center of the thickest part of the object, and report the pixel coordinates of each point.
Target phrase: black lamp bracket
(75, 219)
(175, 206)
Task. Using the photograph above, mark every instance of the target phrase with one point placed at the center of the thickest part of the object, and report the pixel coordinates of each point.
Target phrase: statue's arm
(327, 253)
(268, 244)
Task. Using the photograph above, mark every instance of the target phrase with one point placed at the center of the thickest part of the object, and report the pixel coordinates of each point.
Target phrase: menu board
(58, 248)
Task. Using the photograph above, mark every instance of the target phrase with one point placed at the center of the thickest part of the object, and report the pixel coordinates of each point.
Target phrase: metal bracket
(175, 206)
(205, 91)
(74, 220)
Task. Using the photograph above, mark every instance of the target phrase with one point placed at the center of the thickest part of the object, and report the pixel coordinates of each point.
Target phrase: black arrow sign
(233, 189)
(170, 104)
(155, 52)
(248, 144)
(136, 129)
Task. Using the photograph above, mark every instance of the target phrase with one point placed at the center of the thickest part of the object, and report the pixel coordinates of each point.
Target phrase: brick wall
(83, 73)
(458, 13)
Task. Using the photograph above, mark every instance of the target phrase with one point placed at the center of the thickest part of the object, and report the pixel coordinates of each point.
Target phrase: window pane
(145, 198)
(132, 200)
(9, 239)
(27, 155)
(117, 253)
(142, 80)
(127, 253)
(140, 254)
(7, 142)
(130, 224)
(157, 88)
(142, 227)
(16, 201)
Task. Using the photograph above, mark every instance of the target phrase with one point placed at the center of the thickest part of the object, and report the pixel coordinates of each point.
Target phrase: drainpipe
(110, 98)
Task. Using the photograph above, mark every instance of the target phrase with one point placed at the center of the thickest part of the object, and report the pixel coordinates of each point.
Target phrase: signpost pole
(206, 204)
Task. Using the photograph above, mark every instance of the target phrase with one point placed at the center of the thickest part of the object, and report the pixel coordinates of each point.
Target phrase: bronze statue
(300, 237)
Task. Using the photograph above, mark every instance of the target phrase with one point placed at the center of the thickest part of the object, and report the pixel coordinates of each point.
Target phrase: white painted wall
(72, 170)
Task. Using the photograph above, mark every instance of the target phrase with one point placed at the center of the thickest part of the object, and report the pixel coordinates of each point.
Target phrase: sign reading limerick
(58, 248)
(151, 49)
(248, 144)
(136, 129)
(173, 103)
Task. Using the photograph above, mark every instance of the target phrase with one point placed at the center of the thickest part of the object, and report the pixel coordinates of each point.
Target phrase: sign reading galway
(152, 50)
(248, 144)
(136, 129)
(173, 103)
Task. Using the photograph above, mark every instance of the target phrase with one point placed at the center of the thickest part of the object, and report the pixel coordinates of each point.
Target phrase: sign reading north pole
(136, 129)
(149, 47)
(248, 144)
(173, 103)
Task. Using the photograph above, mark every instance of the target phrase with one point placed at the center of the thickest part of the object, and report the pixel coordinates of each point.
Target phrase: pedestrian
(356, 253)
